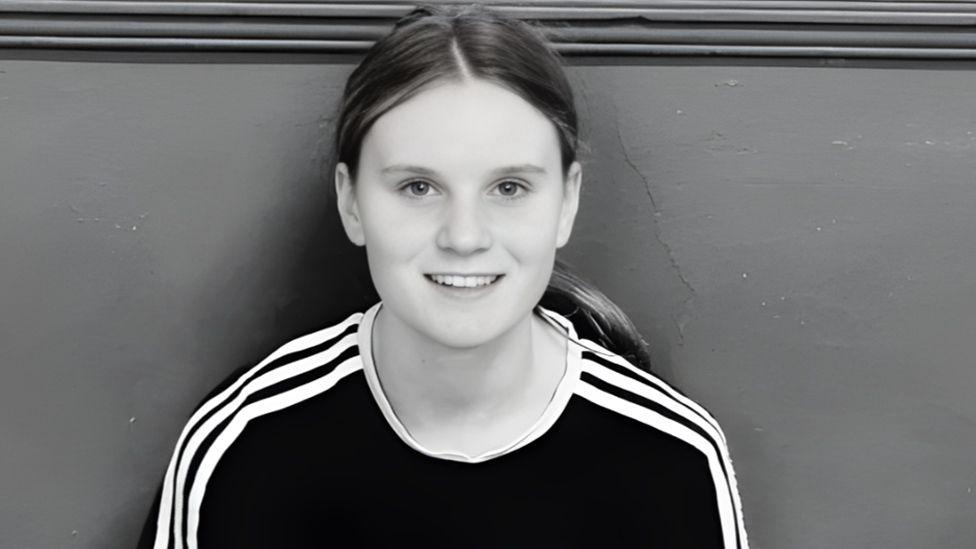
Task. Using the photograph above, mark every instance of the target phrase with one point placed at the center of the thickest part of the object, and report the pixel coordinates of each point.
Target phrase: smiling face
(461, 202)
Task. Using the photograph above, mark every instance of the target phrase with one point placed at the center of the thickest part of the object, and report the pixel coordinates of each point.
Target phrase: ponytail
(594, 315)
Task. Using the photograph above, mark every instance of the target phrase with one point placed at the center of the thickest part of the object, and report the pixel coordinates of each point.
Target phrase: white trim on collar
(553, 410)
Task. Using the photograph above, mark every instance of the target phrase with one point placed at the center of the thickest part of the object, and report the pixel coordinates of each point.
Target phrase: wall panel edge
(763, 28)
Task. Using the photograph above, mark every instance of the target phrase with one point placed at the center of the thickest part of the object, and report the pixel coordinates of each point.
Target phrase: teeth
(458, 281)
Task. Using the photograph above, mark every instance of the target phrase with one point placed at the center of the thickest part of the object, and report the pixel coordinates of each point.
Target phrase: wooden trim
(759, 28)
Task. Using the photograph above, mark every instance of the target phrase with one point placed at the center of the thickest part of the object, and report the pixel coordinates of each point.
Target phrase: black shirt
(303, 450)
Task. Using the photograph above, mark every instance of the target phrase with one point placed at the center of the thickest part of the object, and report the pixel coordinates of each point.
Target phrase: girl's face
(461, 202)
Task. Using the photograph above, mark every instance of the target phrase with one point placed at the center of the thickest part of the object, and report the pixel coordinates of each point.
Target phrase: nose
(464, 229)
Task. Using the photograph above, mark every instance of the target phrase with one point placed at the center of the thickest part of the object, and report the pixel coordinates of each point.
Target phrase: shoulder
(615, 385)
(320, 350)
(300, 369)
(297, 370)
(614, 382)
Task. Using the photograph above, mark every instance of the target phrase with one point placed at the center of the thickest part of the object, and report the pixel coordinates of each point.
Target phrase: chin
(460, 323)
(463, 335)
(474, 328)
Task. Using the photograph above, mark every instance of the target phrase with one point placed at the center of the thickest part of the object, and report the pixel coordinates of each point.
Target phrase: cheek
(531, 233)
(393, 232)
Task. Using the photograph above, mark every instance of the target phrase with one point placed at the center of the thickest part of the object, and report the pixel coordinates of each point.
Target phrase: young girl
(461, 410)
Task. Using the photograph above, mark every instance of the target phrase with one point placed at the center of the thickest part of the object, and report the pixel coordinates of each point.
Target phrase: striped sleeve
(610, 381)
(300, 369)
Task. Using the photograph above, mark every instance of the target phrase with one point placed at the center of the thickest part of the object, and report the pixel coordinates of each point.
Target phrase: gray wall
(796, 242)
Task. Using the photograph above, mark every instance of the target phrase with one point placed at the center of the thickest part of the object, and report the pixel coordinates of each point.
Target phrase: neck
(430, 382)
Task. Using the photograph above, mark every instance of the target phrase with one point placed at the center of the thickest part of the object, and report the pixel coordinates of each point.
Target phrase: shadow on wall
(329, 279)
(324, 280)
(326, 277)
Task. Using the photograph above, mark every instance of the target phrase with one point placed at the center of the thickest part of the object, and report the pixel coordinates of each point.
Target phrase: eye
(417, 188)
(510, 188)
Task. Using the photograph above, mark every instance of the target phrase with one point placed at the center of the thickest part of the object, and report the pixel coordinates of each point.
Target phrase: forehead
(467, 125)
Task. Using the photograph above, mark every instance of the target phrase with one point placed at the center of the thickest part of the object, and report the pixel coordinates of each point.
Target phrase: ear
(567, 214)
(348, 205)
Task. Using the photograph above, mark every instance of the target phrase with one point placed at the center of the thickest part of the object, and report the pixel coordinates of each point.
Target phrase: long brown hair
(434, 43)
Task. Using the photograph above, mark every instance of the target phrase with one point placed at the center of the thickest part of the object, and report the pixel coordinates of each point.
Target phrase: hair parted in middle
(437, 43)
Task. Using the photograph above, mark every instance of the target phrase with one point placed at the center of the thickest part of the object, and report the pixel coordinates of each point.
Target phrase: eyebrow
(506, 170)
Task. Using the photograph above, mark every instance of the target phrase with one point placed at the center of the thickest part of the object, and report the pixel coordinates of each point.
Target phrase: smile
(463, 281)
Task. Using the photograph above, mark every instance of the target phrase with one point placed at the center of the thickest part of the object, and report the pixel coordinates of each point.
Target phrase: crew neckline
(554, 409)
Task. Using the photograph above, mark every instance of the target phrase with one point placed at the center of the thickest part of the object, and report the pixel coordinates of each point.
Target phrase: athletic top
(304, 450)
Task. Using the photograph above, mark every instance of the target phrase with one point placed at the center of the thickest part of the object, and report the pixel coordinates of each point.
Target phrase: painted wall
(797, 243)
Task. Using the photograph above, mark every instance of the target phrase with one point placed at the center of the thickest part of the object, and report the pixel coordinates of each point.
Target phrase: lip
(463, 274)
(451, 273)
(464, 291)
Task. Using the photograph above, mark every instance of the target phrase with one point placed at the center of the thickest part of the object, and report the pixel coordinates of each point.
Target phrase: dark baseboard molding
(756, 28)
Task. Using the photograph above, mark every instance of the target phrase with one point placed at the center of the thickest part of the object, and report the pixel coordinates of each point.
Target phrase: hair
(437, 43)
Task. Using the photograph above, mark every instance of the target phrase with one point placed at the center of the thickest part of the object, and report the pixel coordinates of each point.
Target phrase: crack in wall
(650, 196)
(647, 185)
